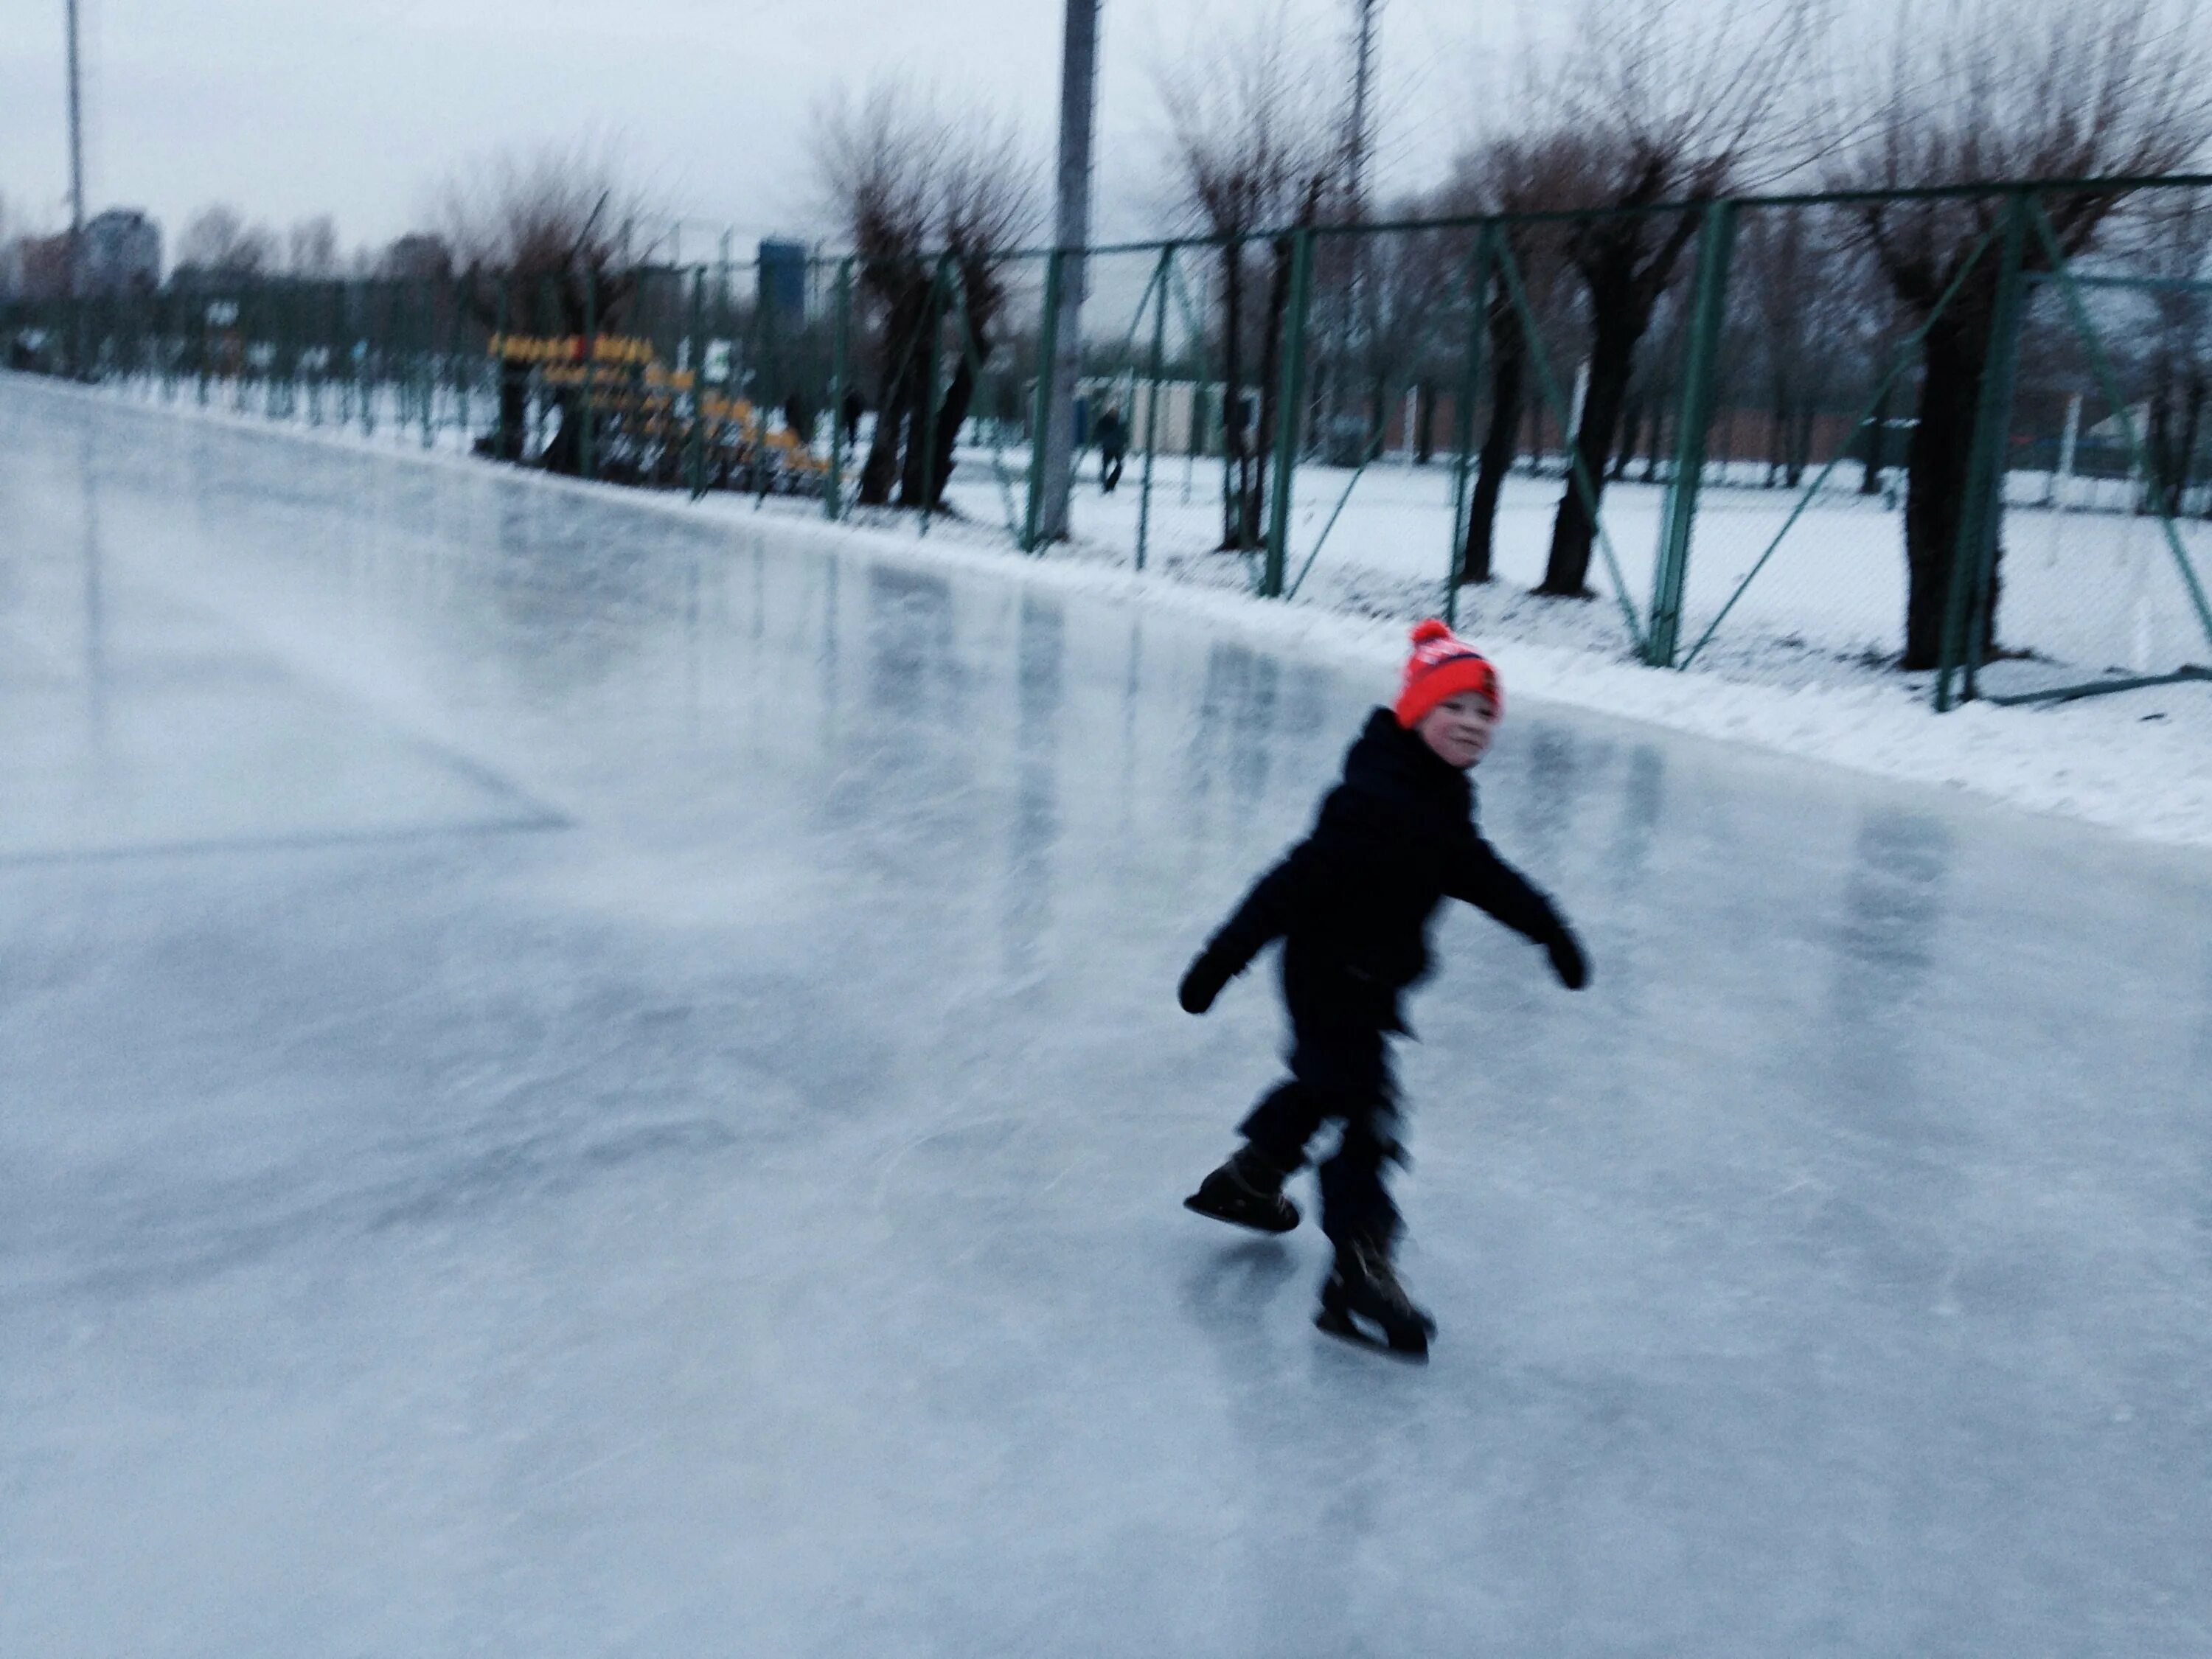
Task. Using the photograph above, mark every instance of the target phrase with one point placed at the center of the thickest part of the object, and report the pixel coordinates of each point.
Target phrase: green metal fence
(1957, 430)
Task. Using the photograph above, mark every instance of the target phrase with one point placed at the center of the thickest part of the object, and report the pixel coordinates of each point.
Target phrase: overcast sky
(358, 107)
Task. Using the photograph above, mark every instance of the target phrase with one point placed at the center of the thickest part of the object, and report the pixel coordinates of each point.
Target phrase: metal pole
(426, 302)
(1974, 557)
(590, 388)
(77, 157)
(833, 497)
(1358, 140)
(1041, 409)
(1290, 398)
(1708, 314)
(1152, 400)
(1477, 339)
(931, 329)
(1078, 108)
(695, 362)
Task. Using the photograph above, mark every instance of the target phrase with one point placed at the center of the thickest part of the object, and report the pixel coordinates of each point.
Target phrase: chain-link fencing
(1959, 432)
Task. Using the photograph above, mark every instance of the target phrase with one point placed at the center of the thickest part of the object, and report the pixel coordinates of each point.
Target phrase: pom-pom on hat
(1442, 665)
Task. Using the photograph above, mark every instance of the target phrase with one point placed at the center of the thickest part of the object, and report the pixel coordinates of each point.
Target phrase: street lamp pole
(76, 156)
(1079, 107)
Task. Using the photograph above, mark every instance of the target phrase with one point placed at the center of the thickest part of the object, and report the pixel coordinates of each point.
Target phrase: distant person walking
(1113, 446)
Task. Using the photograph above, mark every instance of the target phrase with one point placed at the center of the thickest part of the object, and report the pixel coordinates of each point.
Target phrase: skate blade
(1211, 1214)
(1413, 1350)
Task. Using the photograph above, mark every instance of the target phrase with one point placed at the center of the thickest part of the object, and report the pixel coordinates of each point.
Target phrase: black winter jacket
(1351, 902)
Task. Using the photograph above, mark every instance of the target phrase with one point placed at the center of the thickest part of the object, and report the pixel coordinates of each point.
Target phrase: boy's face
(1460, 728)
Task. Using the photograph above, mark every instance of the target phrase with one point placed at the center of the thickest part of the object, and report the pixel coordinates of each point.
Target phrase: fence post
(1479, 275)
(369, 364)
(833, 497)
(1973, 558)
(1152, 399)
(427, 304)
(1289, 398)
(460, 363)
(1040, 404)
(589, 388)
(1701, 358)
(695, 362)
(505, 446)
(932, 328)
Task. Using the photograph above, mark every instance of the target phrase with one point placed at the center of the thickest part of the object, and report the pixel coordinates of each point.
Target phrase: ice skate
(1245, 1193)
(1363, 1302)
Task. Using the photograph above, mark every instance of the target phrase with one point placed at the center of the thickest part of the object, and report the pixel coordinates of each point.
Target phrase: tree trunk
(1508, 376)
(952, 415)
(1938, 460)
(1424, 424)
(1271, 354)
(1620, 324)
(881, 470)
(896, 404)
(1657, 440)
(1877, 440)
(2192, 417)
(1801, 443)
(1777, 431)
(514, 410)
(1236, 435)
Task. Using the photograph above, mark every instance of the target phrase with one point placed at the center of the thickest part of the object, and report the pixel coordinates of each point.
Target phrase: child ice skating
(1351, 904)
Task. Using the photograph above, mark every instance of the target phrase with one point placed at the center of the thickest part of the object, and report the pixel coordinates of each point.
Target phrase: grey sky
(286, 109)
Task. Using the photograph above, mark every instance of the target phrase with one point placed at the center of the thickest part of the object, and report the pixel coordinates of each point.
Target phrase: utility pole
(77, 157)
(1358, 141)
(1078, 110)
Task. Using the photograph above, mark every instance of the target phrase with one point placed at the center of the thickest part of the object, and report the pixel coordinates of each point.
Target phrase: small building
(121, 253)
(782, 278)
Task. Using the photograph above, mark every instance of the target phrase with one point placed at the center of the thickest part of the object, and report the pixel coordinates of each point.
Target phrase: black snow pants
(1339, 1071)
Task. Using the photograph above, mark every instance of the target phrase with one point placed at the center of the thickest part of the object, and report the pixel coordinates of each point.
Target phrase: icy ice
(573, 1082)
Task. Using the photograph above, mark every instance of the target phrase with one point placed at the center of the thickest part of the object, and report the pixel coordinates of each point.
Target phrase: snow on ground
(1798, 665)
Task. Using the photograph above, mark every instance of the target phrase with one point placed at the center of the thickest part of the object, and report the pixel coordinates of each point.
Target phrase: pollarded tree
(1988, 91)
(1648, 104)
(217, 242)
(1253, 144)
(1510, 175)
(542, 243)
(311, 248)
(911, 184)
(2174, 244)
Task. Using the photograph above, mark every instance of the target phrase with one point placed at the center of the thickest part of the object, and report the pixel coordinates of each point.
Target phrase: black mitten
(1202, 983)
(1568, 961)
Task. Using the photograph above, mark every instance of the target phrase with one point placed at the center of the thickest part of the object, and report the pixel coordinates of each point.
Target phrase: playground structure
(638, 419)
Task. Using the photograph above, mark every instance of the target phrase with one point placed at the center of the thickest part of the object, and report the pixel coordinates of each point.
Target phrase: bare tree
(1803, 284)
(1509, 176)
(419, 256)
(916, 187)
(1988, 91)
(2176, 247)
(1646, 103)
(217, 241)
(311, 248)
(988, 204)
(1255, 144)
(542, 242)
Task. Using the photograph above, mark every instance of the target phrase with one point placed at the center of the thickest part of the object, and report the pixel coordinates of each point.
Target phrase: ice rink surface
(573, 1083)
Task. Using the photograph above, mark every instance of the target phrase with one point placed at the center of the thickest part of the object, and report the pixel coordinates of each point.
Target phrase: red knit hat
(1443, 666)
